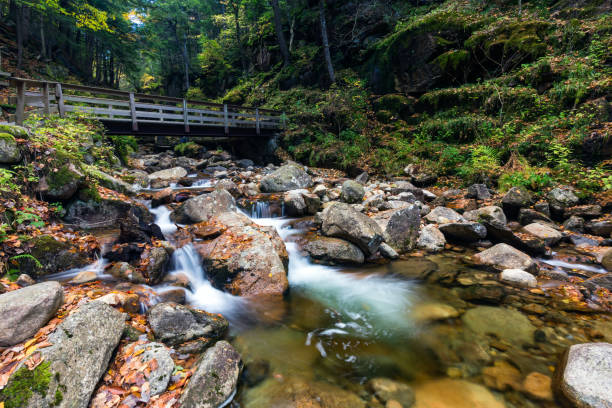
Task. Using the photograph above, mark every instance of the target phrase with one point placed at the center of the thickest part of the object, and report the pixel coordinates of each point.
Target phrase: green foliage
(7, 183)
(24, 383)
(28, 216)
(190, 149)
(450, 159)
(124, 145)
(482, 164)
(530, 179)
(459, 129)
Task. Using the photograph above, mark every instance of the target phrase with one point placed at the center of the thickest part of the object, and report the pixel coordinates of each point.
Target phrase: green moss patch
(24, 383)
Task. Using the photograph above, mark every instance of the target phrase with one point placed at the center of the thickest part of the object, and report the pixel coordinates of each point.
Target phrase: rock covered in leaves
(68, 370)
(215, 378)
(291, 176)
(26, 310)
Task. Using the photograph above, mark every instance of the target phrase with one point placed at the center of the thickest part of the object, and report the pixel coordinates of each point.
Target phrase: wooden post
(225, 119)
(20, 112)
(161, 115)
(185, 117)
(45, 97)
(133, 113)
(61, 109)
(257, 121)
(110, 113)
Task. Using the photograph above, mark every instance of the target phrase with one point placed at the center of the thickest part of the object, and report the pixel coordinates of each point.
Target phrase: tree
(278, 26)
(328, 60)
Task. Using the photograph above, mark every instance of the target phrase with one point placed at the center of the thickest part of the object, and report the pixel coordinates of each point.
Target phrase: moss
(16, 131)
(189, 149)
(58, 398)
(24, 383)
(451, 60)
(60, 178)
(90, 193)
(7, 137)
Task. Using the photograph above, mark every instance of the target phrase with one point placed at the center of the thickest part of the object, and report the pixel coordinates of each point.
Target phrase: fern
(27, 256)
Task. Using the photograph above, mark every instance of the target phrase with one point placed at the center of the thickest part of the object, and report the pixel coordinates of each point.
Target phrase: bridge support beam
(20, 111)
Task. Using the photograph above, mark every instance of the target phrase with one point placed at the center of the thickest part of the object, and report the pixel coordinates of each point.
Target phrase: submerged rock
(387, 390)
(72, 366)
(449, 393)
(506, 324)
(291, 176)
(26, 310)
(215, 378)
(519, 278)
(342, 221)
(334, 251)
(583, 377)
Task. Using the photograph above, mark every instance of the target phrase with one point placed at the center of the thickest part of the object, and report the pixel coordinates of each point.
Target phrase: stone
(9, 149)
(84, 277)
(601, 227)
(464, 231)
(387, 251)
(26, 310)
(491, 212)
(334, 251)
(519, 278)
(244, 163)
(174, 324)
(400, 227)
(204, 207)
(478, 191)
(24, 280)
(584, 211)
(443, 215)
(294, 202)
(103, 213)
(503, 256)
(431, 312)
(81, 348)
(168, 175)
(574, 223)
(130, 302)
(548, 234)
(228, 185)
(502, 376)
(165, 196)
(606, 260)
(60, 185)
(583, 379)
(528, 216)
(340, 220)
(387, 390)
(560, 198)
(538, 386)
(431, 239)
(515, 199)
(291, 176)
(352, 192)
(258, 266)
(454, 393)
(215, 378)
(506, 324)
(160, 376)
(362, 178)
(108, 181)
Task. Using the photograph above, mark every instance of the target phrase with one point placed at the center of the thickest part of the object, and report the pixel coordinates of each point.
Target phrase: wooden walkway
(129, 113)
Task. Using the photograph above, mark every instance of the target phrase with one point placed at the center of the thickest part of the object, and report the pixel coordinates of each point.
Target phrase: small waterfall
(202, 294)
(162, 219)
(97, 267)
(264, 209)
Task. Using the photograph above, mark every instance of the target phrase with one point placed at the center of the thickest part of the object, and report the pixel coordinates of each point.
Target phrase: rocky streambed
(223, 283)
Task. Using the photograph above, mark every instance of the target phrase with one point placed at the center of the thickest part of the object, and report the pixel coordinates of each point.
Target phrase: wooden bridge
(129, 113)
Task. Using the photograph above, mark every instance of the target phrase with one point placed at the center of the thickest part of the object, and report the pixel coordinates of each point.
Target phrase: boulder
(165, 196)
(247, 259)
(333, 251)
(478, 191)
(500, 232)
(503, 256)
(26, 310)
(538, 386)
(548, 234)
(443, 215)
(16, 131)
(291, 176)
(215, 378)
(9, 149)
(506, 324)
(60, 185)
(160, 376)
(528, 216)
(387, 251)
(342, 221)
(204, 207)
(431, 239)
(464, 231)
(431, 312)
(519, 278)
(81, 348)
(157, 265)
(583, 379)
(402, 186)
(574, 223)
(387, 390)
(301, 202)
(560, 198)
(104, 213)
(491, 212)
(584, 211)
(515, 199)
(174, 324)
(601, 227)
(52, 256)
(352, 192)
(606, 260)
(168, 175)
(400, 227)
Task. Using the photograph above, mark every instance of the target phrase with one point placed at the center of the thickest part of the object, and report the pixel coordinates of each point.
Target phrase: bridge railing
(110, 105)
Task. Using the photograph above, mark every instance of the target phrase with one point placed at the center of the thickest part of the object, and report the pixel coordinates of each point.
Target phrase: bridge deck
(142, 114)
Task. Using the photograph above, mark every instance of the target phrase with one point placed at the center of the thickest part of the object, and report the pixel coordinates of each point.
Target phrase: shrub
(124, 145)
(450, 159)
(190, 149)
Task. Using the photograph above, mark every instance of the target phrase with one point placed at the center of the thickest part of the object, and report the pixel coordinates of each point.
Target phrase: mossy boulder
(16, 131)
(9, 149)
(398, 105)
(52, 256)
(61, 185)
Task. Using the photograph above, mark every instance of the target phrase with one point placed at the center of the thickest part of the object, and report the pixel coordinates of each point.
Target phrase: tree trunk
(279, 32)
(19, 29)
(328, 60)
(43, 52)
(238, 37)
(186, 60)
